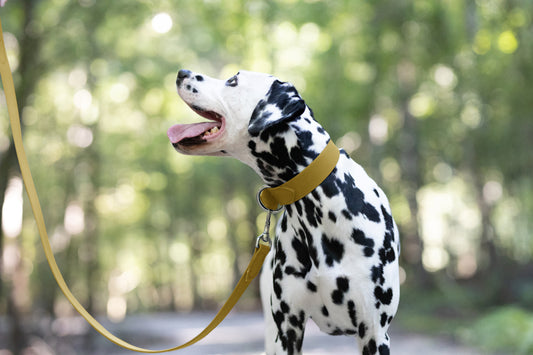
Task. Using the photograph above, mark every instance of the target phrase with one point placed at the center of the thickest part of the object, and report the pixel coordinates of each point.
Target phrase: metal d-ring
(261, 202)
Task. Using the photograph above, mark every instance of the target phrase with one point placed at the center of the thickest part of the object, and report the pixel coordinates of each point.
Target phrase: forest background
(430, 96)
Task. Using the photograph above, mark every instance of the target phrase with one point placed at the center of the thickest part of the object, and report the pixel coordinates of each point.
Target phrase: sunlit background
(432, 97)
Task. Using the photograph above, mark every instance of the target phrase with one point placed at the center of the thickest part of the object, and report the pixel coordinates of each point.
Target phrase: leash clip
(265, 236)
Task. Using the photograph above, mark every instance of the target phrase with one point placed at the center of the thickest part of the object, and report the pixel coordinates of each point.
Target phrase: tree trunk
(412, 243)
(7, 167)
(29, 52)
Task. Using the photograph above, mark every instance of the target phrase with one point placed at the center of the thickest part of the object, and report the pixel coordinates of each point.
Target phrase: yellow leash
(263, 246)
(270, 198)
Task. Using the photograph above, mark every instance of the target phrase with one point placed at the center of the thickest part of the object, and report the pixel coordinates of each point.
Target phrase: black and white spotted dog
(335, 257)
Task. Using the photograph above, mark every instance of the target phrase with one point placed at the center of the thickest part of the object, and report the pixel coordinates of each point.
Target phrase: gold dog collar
(274, 198)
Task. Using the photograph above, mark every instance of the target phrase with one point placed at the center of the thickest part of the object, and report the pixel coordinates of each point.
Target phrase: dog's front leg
(271, 329)
(290, 327)
(284, 321)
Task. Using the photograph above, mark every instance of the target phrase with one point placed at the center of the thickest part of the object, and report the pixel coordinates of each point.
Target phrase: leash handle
(251, 272)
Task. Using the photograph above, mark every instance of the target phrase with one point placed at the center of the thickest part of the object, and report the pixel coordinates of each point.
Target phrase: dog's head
(237, 110)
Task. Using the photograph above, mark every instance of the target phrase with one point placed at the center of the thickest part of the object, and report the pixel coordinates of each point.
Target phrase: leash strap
(302, 184)
(263, 247)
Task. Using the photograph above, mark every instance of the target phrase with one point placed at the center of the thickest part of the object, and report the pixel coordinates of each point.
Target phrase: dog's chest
(327, 245)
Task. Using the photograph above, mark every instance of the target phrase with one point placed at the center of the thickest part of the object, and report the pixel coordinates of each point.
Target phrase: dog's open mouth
(197, 133)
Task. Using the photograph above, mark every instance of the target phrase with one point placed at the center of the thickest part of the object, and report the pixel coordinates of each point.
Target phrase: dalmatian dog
(335, 255)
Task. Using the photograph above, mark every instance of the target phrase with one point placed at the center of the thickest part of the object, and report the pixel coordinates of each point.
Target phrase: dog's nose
(182, 74)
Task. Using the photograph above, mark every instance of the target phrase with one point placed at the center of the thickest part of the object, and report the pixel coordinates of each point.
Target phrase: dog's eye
(233, 81)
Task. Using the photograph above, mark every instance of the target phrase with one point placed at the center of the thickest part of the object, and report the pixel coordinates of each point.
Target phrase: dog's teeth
(211, 131)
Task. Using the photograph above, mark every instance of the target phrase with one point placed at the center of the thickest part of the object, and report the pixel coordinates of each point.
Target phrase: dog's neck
(282, 151)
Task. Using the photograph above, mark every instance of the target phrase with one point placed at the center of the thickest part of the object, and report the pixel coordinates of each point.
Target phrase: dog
(335, 255)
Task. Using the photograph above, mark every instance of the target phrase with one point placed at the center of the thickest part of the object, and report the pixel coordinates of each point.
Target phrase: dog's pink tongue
(179, 132)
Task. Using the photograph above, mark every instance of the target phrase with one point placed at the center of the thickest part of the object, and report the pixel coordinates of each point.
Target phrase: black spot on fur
(370, 348)
(332, 217)
(355, 199)
(277, 289)
(305, 139)
(276, 130)
(336, 331)
(284, 223)
(311, 286)
(294, 321)
(277, 273)
(289, 210)
(352, 313)
(337, 297)
(359, 237)
(389, 225)
(280, 255)
(383, 319)
(325, 311)
(386, 253)
(298, 208)
(347, 215)
(302, 255)
(290, 341)
(297, 156)
(333, 250)
(289, 270)
(343, 285)
(362, 330)
(306, 235)
(385, 297)
(312, 213)
(384, 350)
(316, 196)
(377, 274)
(279, 318)
(329, 185)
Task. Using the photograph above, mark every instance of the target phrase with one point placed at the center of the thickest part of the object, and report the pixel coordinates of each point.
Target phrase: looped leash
(261, 251)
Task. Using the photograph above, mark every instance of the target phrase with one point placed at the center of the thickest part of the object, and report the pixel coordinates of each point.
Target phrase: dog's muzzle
(182, 75)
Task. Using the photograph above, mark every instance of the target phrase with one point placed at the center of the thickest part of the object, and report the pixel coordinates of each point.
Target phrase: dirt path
(242, 334)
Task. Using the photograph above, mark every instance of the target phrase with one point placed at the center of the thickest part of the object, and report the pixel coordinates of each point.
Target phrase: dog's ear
(282, 102)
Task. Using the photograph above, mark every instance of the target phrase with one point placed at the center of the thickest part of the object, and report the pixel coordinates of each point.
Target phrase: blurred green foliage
(507, 329)
(432, 97)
